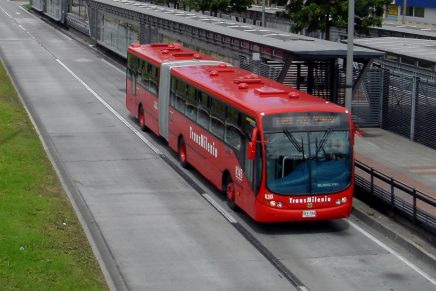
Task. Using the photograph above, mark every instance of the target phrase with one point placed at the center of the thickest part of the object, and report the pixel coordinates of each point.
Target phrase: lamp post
(263, 13)
(349, 68)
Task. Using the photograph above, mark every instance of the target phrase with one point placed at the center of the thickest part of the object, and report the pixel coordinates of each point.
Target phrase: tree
(320, 15)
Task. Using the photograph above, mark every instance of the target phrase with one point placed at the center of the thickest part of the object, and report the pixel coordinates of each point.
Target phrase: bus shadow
(338, 226)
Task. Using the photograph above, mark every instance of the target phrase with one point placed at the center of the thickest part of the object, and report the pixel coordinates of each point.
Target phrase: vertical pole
(349, 69)
(382, 95)
(414, 206)
(392, 195)
(310, 77)
(372, 185)
(263, 13)
(403, 18)
(413, 108)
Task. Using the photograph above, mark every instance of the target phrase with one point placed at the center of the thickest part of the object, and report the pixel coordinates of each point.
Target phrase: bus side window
(173, 91)
(191, 103)
(145, 76)
(180, 96)
(233, 131)
(132, 64)
(154, 71)
(203, 112)
(217, 117)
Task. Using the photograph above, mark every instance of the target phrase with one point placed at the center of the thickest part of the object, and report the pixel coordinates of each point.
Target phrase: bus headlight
(272, 203)
(344, 200)
(338, 202)
(279, 204)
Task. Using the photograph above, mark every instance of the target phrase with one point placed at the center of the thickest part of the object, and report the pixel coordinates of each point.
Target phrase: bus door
(251, 166)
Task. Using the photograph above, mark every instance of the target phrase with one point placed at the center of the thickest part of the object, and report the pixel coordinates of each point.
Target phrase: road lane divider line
(390, 250)
(5, 12)
(122, 119)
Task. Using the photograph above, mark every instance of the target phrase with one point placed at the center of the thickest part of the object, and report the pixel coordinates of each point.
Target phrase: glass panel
(233, 128)
(191, 103)
(181, 96)
(316, 162)
(218, 113)
(145, 76)
(331, 160)
(287, 163)
(217, 127)
(419, 12)
(233, 117)
(233, 137)
(203, 117)
(154, 79)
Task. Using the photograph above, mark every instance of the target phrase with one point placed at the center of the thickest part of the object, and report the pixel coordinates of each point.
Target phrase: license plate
(309, 213)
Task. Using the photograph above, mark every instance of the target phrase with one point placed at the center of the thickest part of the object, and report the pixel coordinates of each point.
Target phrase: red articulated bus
(277, 153)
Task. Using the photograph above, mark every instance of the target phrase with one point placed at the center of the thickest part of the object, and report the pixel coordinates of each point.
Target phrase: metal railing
(411, 203)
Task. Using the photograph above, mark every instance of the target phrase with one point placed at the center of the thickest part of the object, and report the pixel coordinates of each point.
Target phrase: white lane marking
(148, 143)
(67, 37)
(113, 66)
(219, 208)
(401, 258)
(19, 25)
(5, 12)
(18, 13)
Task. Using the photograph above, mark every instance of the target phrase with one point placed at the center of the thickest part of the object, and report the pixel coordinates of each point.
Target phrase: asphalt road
(149, 227)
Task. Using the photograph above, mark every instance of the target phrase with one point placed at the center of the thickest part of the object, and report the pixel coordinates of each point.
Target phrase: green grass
(27, 6)
(42, 244)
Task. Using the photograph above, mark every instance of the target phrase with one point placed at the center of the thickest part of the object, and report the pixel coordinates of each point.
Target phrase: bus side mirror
(251, 146)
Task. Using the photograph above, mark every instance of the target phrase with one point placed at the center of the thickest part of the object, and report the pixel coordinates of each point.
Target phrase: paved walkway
(408, 162)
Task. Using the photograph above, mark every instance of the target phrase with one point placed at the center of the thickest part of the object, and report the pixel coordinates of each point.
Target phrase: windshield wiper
(323, 140)
(294, 142)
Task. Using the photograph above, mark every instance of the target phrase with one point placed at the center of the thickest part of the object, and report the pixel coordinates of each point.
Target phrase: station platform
(395, 156)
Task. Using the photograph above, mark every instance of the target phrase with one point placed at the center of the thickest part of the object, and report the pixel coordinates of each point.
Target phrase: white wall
(429, 17)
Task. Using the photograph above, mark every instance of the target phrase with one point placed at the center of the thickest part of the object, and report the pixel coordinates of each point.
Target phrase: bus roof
(160, 52)
(252, 93)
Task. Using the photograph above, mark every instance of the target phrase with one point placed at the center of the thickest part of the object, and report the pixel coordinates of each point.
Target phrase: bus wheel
(141, 119)
(229, 188)
(183, 158)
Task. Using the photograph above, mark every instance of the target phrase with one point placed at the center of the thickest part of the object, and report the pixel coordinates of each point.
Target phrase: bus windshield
(308, 161)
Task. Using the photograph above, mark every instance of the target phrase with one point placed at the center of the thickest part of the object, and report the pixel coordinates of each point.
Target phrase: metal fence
(409, 106)
(366, 103)
(411, 203)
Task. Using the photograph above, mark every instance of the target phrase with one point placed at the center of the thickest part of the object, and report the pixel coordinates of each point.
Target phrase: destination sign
(305, 120)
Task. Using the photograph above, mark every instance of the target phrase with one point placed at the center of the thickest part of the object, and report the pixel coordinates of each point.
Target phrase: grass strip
(42, 243)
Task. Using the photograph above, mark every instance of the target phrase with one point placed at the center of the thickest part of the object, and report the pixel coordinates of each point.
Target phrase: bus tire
(141, 119)
(229, 191)
(181, 150)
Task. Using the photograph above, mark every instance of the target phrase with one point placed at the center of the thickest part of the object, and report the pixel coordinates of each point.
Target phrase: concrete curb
(405, 236)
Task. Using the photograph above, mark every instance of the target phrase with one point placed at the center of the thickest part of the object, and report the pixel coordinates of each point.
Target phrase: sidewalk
(395, 156)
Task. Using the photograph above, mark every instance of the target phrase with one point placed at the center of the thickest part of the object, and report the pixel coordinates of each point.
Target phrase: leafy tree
(239, 5)
(322, 14)
(214, 6)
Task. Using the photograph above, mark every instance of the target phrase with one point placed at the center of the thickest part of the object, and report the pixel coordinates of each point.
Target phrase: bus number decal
(269, 196)
(238, 173)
